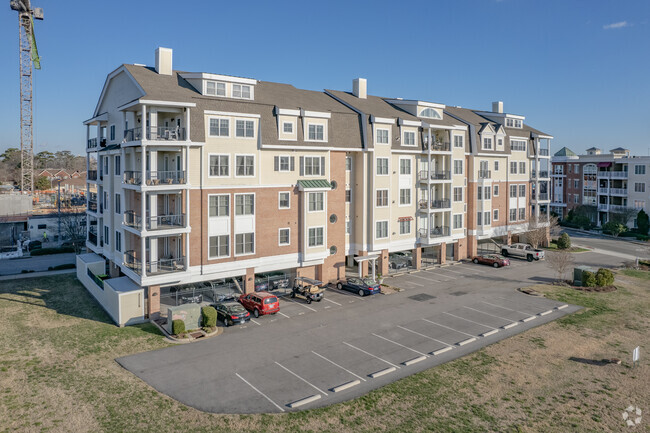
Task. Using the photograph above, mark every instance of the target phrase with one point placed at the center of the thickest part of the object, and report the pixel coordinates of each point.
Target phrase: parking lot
(312, 355)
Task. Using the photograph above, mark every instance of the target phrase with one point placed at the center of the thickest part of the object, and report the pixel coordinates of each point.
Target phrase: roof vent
(360, 88)
(164, 61)
(497, 107)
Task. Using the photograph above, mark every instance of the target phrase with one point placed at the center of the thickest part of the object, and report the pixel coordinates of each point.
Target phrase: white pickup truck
(525, 251)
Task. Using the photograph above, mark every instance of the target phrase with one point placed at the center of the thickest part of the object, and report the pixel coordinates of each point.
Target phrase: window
(495, 217)
(458, 193)
(479, 218)
(496, 165)
(316, 133)
(348, 163)
(522, 190)
(316, 236)
(404, 166)
(382, 136)
(118, 168)
(381, 229)
(576, 168)
(488, 190)
(404, 196)
(283, 163)
(219, 165)
(639, 187)
(458, 166)
(348, 196)
(241, 91)
(219, 205)
(500, 142)
(639, 169)
(245, 128)
(486, 218)
(348, 227)
(458, 221)
(219, 246)
(42, 226)
(430, 113)
(522, 213)
(382, 166)
(244, 204)
(219, 127)
(513, 167)
(409, 138)
(245, 243)
(518, 145)
(518, 123)
(487, 143)
(404, 227)
(576, 183)
(479, 196)
(522, 168)
(106, 233)
(382, 197)
(312, 165)
(510, 123)
(283, 236)
(284, 200)
(112, 132)
(118, 241)
(513, 191)
(118, 204)
(513, 214)
(576, 198)
(245, 165)
(639, 204)
(316, 201)
(496, 191)
(287, 127)
(458, 141)
(215, 88)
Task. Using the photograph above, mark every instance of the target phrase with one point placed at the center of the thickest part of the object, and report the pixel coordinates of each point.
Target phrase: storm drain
(422, 297)
(458, 293)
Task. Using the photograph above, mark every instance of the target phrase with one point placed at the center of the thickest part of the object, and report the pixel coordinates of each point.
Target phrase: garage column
(417, 257)
(153, 302)
(443, 253)
(318, 272)
(383, 262)
(249, 280)
(363, 266)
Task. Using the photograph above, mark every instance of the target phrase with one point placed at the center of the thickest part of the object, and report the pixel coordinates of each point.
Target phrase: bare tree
(73, 228)
(537, 230)
(623, 216)
(560, 261)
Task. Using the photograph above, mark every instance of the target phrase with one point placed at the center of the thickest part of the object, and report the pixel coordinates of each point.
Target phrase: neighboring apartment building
(203, 177)
(614, 182)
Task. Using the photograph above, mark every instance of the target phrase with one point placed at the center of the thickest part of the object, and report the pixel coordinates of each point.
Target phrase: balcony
(92, 175)
(484, 174)
(92, 205)
(543, 152)
(92, 238)
(158, 267)
(542, 196)
(618, 191)
(618, 174)
(436, 232)
(435, 175)
(436, 204)
(438, 146)
(603, 207)
(160, 133)
(542, 174)
(155, 177)
(159, 222)
(92, 143)
(604, 191)
(617, 208)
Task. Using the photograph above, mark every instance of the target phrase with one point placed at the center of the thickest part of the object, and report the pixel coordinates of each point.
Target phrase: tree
(560, 261)
(614, 228)
(643, 222)
(10, 162)
(538, 231)
(43, 159)
(73, 228)
(623, 216)
(564, 242)
(42, 183)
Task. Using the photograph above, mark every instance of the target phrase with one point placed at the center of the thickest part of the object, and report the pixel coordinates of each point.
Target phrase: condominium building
(609, 183)
(204, 177)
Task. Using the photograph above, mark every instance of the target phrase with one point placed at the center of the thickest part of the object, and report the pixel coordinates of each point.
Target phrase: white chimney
(164, 61)
(360, 88)
(497, 107)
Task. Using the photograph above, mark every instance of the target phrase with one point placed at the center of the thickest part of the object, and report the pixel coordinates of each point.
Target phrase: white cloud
(618, 25)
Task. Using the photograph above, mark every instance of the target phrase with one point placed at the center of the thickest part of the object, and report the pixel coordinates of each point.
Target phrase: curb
(175, 340)
(637, 242)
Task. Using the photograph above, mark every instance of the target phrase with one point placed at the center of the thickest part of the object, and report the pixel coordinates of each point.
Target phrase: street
(36, 264)
(622, 248)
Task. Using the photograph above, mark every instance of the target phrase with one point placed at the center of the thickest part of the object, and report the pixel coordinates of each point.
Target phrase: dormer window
(215, 88)
(241, 91)
(430, 113)
(287, 127)
(514, 123)
(487, 143)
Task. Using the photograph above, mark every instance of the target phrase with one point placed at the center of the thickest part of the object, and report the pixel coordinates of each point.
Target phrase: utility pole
(58, 199)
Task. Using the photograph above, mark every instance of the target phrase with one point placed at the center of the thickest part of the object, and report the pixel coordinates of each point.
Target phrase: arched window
(430, 113)
(590, 169)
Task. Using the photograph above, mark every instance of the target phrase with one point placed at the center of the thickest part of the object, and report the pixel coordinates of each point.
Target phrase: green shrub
(64, 266)
(178, 327)
(564, 242)
(643, 222)
(209, 316)
(614, 228)
(46, 251)
(642, 237)
(588, 279)
(604, 277)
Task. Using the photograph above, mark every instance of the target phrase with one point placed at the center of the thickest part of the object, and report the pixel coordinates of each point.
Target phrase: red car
(260, 303)
(491, 259)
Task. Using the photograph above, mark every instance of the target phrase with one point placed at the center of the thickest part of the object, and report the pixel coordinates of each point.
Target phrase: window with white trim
(348, 163)
(220, 165)
(348, 227)
(118, 204)
(244, 243)
(639, 204)
(245, 165)
(348, 196)
(487, 192)
(404, 227)
(241, 91)
(486, 218)
(283, 236)
(496, 165)
(639, 187)
(316, 133)
(458, 141)
(316, 200)
(458, 221)
(381, 229)
(118, 241)
(409, 138)
(495, 217)
(244, 204)
(522, 191)
(245, 128)
(430, 113)
(315, 236)
(639, 169)
(522, 168)
(219, 127)
(458, 193)
(382, 198)
(487, 143)
(513, 167)
(312, 166)
(215, 88)
(287, 127)
(479, 218)
(496, 191)
(382, 166)
(284, 200)
(513, 214)
(479, 195)
(219, 246)
(405, 166)
(522, 213)
(405, 196)
(513, 191)
(112, 133)
(519, 145)
(219, 205)
(458, 166)
(382, 136)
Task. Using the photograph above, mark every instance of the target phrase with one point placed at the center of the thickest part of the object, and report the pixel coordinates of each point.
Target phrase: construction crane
(28, 55)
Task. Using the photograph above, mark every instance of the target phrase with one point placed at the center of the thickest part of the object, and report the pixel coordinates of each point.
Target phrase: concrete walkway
(37, 274)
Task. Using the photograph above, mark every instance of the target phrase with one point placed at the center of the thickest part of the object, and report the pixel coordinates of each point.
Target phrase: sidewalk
(37, 274)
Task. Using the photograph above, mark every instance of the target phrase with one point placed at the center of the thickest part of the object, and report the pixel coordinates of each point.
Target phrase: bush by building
(178, 327)
(604, 277)
(564, 242)
(588, 279)
(209, 317)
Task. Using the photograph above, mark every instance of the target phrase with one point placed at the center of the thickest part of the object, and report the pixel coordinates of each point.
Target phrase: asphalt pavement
(36, 263)
(621, 247)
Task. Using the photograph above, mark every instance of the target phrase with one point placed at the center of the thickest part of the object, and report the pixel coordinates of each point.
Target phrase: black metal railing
(132, 177)
(484, 174)
(435, 232)
(543, 152)
(92, 238)
(441, 204)
(164, 133)
(92, 175)
(162, 222)
(161, 266)
(435, 175)
(92, 143)
(165, 177)
(439, 146)
(92, 205)
(131, 219)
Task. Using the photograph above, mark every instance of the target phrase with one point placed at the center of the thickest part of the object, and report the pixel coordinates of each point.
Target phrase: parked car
(34, 245)
(361, 286)
(260, 303)
(231, 313)
(398, 263)
(525, 251)
(491, 259)
(407, 257)
(261, 284)
(310, 290)
(276, 280)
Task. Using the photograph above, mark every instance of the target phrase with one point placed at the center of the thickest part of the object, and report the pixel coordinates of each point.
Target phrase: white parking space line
(488, 314)
(399, 344)
(416, 284)
(334, 363)
(333, 302)
(425, 336)
(282, 314)
(471, 321)
(310, 384)
(438, 324)
(424, 278)
(260, 392)
(370, 354)
(506, 308)
(455, 272)
(302, 305)
(446, 276)
(256, 322)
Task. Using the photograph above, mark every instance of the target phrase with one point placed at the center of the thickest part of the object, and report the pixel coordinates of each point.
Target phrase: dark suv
(260, 303)
(231, 313)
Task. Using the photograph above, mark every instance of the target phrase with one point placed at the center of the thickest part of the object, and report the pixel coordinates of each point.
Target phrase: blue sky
(578, 70)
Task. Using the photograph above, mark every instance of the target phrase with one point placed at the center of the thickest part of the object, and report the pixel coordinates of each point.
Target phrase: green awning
(314, 184)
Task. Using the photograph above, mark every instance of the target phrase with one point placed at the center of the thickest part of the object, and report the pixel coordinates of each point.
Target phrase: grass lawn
(57, 373)
(553, 247)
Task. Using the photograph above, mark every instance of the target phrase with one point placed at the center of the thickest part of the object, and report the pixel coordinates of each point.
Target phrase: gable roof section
(109, 77)
(565, 151)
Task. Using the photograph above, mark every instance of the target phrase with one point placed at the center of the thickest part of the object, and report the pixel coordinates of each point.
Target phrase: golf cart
(307, 288)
